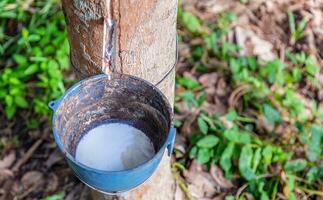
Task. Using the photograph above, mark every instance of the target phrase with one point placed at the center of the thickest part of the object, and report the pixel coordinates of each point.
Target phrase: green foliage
(211, 42)
(188, 83)
(224, 22)
(267, 155)
(57, 196)
(202, 125)
(293, 103)
(271, 114)
(191, 22)
(295, 165)
(240, 144)
(188, 20)
(189, 98)
(245, 160)
(230, 143)
(229, 197)
(231, 115)
(296, 29)
(192, 99)
(226, 158)
(208, 141)
(31, 72)
(204, 155)
(235, 135)
(244, 1)
(315, 173)
(272, 71)
(315, 147)
(303, 67)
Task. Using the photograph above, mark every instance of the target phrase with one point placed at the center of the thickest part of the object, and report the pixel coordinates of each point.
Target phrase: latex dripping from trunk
(109, 41)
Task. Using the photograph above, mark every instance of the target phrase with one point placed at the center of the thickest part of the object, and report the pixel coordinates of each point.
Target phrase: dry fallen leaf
(180, 143)
(75, 193)
(8, 160)
(32, 180)
(263, 123)
(246, 38)
(319, 198)
(210, 8)
(320, 78)
(54, 157)
(211, 109)
(210, 91)
(208, 80)
(222, 89)
(8, 189)
(5, 174)
(200, 183)
(217, 175)
(52, 183)
(189, 121)
(183, 108)
(188, 74)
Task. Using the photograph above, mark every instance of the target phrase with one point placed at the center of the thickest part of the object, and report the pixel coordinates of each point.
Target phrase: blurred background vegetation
(34, 53)
(249, 100)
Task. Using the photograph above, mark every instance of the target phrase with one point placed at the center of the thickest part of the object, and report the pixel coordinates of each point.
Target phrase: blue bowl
(100, 99)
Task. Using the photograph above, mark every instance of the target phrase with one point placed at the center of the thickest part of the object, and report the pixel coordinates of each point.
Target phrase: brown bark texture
(146, 47)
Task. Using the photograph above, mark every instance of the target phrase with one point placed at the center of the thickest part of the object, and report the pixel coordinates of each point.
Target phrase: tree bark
(146, 47)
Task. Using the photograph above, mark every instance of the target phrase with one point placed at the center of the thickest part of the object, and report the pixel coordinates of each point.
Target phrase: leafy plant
(191, 22)
(188, 20)
(315, 143)
(271, 114)
(244, 1)
(296, 29)
(32, 73)
(237, 141)
(224, 21)
(304, 66)
(57, 196)
(192, 99)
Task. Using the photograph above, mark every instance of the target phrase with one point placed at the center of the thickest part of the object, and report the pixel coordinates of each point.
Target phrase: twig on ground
(26, 192)
(237, 93)
(243, 187)
(240, 190)
(27, 156)
(311, 192)
(179, 181)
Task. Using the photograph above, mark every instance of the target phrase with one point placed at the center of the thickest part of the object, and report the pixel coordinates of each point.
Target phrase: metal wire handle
(173, 67)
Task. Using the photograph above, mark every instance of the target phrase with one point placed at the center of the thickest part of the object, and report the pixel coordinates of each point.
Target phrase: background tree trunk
(146, 47)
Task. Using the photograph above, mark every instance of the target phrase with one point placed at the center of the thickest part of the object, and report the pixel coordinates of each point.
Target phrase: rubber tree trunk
(146, 47)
